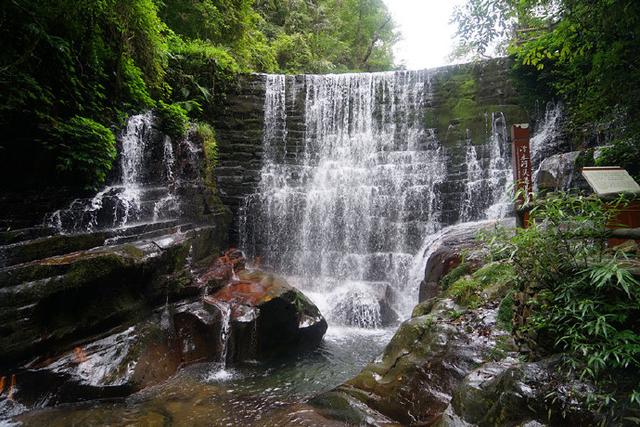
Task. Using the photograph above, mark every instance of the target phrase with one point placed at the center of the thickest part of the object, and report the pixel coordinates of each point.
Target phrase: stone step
(55, 247)
(60, 264)
(59, 244)
(19, 235)
(48, 246)
(149, 235)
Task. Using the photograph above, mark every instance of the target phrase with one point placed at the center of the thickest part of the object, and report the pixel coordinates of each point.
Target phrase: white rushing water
(346, 210)
(547, 136)
(141, 191)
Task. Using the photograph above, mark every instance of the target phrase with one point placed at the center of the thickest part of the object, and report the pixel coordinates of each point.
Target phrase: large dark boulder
(267, 315)
(47, 305)
(560, 172)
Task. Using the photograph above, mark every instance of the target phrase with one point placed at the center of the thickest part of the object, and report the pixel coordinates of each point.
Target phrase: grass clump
(456, 273)
(487, 283)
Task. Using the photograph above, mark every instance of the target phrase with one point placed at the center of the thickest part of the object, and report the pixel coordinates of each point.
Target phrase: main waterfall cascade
(344, 211)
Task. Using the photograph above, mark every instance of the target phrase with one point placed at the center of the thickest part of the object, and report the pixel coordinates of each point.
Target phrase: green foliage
(623, 152)
(583, 52)
(466, 291)
(86, 149)
(174, 120)
(106, 59)
(456, 273)
(207, 137)
(329, 35)
(505, 312)
(585, 302)
(493, 279)
(200, 74)
(62, 59)
(136, 89)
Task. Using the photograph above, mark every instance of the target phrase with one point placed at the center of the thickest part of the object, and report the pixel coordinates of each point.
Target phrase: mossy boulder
(268, 316)
(428, 357)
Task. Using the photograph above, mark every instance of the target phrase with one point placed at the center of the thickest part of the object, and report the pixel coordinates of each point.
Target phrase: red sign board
(521, 162)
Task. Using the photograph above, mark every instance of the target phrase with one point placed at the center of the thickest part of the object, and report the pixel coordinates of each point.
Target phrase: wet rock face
(268, 316)
(48, 304)
(414, 379)
(124, 362)
(365, 309)
(447, 255)
(511, 392)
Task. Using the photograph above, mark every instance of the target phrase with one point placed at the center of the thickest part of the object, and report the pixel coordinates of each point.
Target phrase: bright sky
(427, 36)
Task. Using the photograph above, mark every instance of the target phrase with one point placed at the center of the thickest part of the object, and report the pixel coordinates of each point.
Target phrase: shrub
(624, 153)
(505, 312)
(491, 281)
(581, 296)
(465, 291)
(85, 149)
(174, 120)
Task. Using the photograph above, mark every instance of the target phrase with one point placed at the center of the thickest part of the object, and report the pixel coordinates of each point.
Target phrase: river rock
(446, 252)
(413, 380)
(512, 392)
(267, 315)
(560, 173)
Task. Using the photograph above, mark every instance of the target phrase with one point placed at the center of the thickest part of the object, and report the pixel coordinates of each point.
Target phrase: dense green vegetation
(577, 296)
(71, 72)
(583, 52)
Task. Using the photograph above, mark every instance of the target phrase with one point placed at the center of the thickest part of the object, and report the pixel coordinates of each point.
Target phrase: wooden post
(522, 176)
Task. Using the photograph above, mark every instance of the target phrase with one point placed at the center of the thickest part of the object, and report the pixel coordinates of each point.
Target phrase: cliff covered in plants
(71, 72)
(583, 53)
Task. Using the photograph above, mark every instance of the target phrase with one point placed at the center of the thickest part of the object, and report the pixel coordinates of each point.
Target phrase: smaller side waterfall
(141, 188)
(546, 140)
(486, 191)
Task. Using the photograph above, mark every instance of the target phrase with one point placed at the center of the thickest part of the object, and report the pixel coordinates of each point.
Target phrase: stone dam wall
(463, 102)
(463, 105)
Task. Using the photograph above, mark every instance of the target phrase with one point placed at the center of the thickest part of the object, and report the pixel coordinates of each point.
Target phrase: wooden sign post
(522, 176)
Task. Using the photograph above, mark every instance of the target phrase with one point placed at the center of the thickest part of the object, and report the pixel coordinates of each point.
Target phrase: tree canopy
(584, 52)
(71, 71)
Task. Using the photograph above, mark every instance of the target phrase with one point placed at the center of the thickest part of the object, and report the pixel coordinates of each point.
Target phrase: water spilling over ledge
(354, 179)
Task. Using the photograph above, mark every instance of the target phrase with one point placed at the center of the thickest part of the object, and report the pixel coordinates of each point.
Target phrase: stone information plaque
(609, 181)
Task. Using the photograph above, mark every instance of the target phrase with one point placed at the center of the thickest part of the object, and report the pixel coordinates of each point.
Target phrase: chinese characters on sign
(521, 162)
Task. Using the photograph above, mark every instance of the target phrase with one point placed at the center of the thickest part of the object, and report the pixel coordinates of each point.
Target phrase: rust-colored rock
(268, 316)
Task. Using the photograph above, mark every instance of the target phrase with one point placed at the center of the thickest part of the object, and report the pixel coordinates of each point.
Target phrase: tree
(586, 51)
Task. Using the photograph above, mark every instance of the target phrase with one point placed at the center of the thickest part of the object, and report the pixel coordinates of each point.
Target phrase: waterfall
(344, 210)
(141, 187)
(547, 138)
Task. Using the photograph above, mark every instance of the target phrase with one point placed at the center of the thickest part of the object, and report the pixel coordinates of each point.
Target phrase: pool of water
(250, 394)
